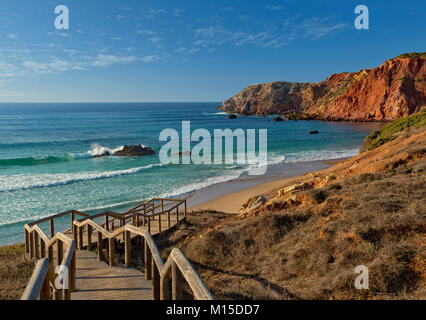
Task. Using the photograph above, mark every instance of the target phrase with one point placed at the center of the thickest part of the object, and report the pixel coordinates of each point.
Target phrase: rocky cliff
(393, 90)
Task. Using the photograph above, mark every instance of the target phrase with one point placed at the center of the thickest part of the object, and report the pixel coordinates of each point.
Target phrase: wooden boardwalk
(121, 239)
(96, 280)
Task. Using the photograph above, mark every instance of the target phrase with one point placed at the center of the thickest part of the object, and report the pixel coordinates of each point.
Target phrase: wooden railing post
(66, 289)
(147, 258)
(59, 251)
(80, 237)
(159, 222)
(45, 290)
(177, 283)
(89, 237)
(42, 248)
(155, 281)
(184, 212)
(127, 248)
(72, 281)
(72, 221)
(32, 244)
(164, 288)
(100, 246)
(177, 214)
(52, 227)
(149, 224)
(36, 244)
(27, 243)
(111, 252)
(75, 235)
(106, 223)
(60, 254)
(168, 219)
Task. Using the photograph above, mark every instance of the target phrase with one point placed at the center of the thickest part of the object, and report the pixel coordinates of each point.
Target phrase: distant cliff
(395, 89)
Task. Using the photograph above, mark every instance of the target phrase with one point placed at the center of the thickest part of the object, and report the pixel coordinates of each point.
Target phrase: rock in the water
(278, 119)
(313, 132)
(136, 150)
(232, 116)
(105, 154)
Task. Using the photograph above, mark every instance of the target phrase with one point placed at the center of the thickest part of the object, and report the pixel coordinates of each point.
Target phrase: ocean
(47, 162)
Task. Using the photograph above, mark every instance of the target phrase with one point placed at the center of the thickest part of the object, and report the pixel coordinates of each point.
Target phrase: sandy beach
(240, 190)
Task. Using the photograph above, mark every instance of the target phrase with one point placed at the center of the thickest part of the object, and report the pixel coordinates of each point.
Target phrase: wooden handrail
(44, 249)
(177, 265)
(59, 215)
(38, 286)
(155, 268)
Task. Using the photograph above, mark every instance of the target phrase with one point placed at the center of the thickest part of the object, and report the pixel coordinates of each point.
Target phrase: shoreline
(229, 196)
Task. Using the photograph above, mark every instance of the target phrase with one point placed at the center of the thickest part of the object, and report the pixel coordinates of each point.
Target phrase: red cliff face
(393, 90)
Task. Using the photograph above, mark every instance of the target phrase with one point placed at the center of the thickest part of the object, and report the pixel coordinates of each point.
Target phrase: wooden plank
(98, 281)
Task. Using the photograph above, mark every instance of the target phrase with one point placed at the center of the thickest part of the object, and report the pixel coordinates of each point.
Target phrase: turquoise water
(47, 164)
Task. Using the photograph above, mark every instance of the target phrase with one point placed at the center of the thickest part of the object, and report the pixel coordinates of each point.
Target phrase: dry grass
(310, 252)
(15, 271)
(369, 210)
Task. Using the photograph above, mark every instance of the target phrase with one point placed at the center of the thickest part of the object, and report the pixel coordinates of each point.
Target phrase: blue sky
(133, 50)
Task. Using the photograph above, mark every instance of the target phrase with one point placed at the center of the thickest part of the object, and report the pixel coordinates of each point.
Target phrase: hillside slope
(395, 89)
(304, 240)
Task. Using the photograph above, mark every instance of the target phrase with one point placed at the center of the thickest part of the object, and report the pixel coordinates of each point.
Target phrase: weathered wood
(147, 260)
(155, 281)
(73, 272)
(36, 245)
(52, 228)
(42, 249)
(56, 216)
(127, 249)
(164, 288)
(75, 235)
(45, 289)
(177, 283)
(60, 251)
(100, 246)
(37, 281)
(197, 285)
(80, 237)
(111, 252)
(72, 219)
(27, 242)
(177, 268)
(32, 244)
(89, 237)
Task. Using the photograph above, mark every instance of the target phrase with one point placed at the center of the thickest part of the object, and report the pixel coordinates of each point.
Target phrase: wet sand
(229, 196)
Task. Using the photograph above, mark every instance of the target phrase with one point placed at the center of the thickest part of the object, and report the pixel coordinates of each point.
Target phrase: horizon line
(2, 102)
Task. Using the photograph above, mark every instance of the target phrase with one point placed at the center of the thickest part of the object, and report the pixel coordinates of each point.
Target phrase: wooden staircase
(93, 258)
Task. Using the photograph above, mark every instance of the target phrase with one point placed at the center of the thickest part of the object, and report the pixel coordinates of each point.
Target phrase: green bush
(378, 138)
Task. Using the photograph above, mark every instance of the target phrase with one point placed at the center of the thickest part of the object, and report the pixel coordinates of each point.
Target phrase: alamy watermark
(362, 20)
(178, 150)
(361, 282)
(62, 20)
